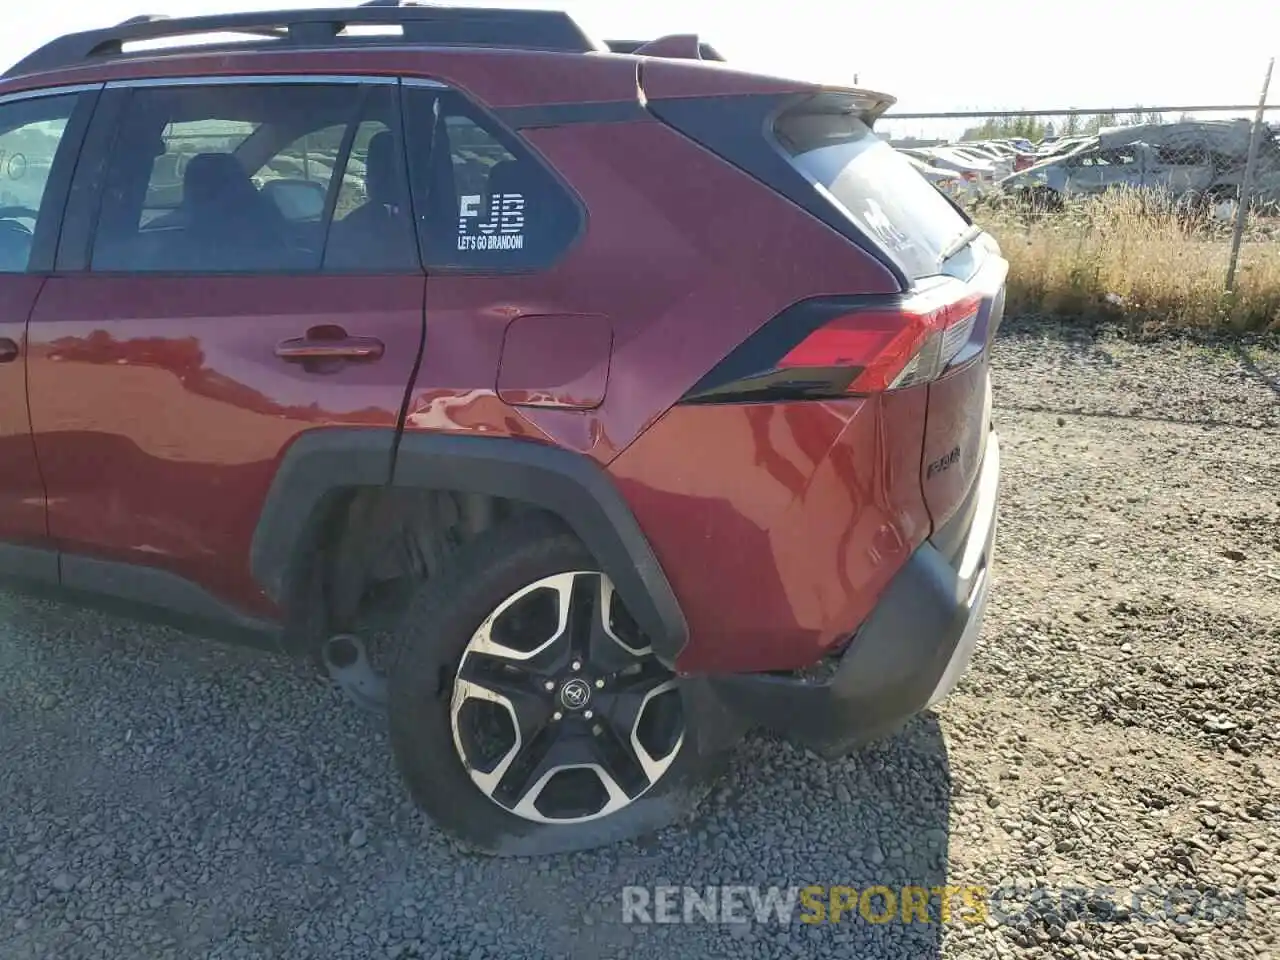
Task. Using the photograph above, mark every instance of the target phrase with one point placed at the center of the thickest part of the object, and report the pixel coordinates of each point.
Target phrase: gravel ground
(160, 797)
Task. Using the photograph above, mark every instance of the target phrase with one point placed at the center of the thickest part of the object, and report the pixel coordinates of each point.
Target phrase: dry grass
(1128, 256)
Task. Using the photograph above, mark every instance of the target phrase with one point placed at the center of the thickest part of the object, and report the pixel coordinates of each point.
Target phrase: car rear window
(866, 179)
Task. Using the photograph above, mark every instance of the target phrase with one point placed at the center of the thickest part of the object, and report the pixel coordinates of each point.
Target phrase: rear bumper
(907, 655)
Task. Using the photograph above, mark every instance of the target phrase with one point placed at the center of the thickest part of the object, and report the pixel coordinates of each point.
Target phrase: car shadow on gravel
(165, 796)
(782, 821)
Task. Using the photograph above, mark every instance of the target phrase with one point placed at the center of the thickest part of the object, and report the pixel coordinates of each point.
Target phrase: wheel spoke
(526, 765)
(584, 615)
(522, 689)
(620, 630)
(557, 746)
(639, 677)
(623, 708)
(618, 757)
(489, 638)
(592, 638)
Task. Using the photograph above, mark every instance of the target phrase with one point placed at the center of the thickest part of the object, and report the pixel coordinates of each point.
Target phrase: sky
(931, 55)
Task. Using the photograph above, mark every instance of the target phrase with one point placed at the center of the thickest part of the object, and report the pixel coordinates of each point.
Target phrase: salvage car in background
(1000, 156)
(1186, 159)
(980, 174)
(948, 181)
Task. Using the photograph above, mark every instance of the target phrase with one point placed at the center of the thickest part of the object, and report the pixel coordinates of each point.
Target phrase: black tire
(432, 637)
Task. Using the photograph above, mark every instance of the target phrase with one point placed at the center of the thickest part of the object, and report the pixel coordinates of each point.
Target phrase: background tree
(1007, 128)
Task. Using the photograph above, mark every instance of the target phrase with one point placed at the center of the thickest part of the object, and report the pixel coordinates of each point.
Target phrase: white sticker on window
(503, 228)
(878, 222)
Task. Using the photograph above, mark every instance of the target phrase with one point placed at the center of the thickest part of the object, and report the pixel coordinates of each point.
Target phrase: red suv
(629, 399)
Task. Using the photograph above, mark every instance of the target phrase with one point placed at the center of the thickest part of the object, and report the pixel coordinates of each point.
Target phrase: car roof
(375, 38)
(376, 25)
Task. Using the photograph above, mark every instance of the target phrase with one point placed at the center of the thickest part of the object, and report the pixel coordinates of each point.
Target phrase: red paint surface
(22, 506)
(684, 267)
(556, 361)
(161, 411)
(778, 524)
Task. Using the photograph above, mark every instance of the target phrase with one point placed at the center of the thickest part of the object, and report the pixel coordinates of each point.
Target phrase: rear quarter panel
(683, 257)
(778, 524)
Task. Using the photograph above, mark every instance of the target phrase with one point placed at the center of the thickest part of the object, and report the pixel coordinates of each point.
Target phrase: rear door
(40, 136)
(238, 267)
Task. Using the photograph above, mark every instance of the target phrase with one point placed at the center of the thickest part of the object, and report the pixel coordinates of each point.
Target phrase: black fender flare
(323, 463)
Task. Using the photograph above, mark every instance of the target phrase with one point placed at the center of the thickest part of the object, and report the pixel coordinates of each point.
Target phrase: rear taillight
(834, 347)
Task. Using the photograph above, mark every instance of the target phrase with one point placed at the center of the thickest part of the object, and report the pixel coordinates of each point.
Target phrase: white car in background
(1000, 157)
(948, 181)
(1061, 146)
(979, 173)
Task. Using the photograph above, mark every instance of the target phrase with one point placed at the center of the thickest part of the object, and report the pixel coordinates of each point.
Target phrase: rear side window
(485, 202)
(869, 182)
(257, 178)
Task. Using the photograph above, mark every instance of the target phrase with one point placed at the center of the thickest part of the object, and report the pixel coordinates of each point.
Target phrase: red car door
(234, 293)
(22, 502)
(39, 139)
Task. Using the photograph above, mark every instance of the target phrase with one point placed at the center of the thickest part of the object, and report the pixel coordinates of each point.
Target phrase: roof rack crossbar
(444, 26)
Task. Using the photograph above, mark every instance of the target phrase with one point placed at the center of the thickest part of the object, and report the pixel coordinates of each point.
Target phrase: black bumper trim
(893, 667)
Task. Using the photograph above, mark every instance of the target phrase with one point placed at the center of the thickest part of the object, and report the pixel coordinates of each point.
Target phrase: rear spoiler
(678, 46)
(867, 105)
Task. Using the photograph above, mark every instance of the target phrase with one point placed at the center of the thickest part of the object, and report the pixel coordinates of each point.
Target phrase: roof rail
(437, 26)
(684, 46)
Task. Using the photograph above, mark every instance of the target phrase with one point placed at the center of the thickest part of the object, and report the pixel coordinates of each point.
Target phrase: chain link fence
(1167, 216)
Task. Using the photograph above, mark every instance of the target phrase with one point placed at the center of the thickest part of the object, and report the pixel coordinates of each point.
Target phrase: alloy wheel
(560, 711)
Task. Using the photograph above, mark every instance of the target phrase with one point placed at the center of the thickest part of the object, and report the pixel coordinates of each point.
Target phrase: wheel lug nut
(577, 664)
(549, 685)
(557, 715)
(588, 714)
(600, 683)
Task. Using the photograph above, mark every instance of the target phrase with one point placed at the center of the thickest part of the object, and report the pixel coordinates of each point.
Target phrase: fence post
(1246, 181)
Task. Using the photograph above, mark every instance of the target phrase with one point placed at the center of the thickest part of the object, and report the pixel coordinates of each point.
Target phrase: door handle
(341, 347)
(8, 350)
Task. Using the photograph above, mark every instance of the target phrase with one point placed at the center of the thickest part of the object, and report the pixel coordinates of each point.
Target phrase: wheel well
(340, 494)
(372, 544)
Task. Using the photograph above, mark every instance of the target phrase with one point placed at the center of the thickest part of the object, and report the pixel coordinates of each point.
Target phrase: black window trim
(703, 120)
(84, 201)
(62, 173)
(341, 164)
(508, 137)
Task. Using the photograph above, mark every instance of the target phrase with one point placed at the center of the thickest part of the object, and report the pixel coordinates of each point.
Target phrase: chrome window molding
(42, 92)
(250, 80)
